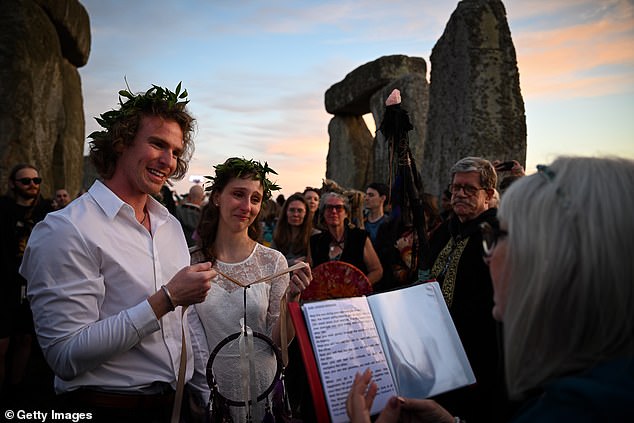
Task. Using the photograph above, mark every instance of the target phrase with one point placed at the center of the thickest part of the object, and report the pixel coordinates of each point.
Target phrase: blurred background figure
(375, 201)
(268, 220)
(432, 213)
(293, 229)
(188, 213)
(357, 207)
(508, 172)
(280, 200)
(380, 228)
(166, 197)
(445, 205)
(312, 199)
(311, 195)
(61, 199)
(20, 209)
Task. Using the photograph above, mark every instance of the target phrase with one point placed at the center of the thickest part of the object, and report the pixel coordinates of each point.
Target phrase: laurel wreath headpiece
(140, 102)
(240, 167)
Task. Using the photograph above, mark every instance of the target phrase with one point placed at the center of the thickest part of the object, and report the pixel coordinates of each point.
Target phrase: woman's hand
(300, 279)
(361, 397)
(363, 392)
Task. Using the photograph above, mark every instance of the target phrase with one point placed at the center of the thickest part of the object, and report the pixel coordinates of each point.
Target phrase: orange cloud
(595, 58)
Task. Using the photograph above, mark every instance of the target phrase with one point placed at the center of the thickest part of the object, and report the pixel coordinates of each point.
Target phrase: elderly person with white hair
(561, 265)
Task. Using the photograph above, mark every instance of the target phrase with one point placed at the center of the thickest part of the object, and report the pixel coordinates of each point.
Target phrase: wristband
(169, 297)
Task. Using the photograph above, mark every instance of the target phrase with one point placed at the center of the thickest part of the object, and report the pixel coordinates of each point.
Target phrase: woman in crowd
(561, 265)
(293, 230)
(228, 234)
(311, 195)
(312, 199)
(340, 241)
(291, 238)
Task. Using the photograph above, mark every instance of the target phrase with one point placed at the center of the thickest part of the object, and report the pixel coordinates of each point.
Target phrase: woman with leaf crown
(228, 233)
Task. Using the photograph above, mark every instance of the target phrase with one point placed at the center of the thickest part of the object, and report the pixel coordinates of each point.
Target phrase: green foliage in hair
(236, 167)
(140, 102)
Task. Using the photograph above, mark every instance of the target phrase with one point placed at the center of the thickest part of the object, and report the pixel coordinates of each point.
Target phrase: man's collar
(463, 229)
(110, 203)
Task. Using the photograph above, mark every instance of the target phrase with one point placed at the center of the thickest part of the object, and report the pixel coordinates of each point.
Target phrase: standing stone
(41, 107)
(476, 107)
(349, 151)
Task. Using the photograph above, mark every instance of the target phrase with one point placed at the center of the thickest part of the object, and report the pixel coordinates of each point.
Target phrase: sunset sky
(257, 71)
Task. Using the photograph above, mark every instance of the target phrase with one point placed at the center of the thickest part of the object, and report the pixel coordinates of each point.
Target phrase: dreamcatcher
(276, 410)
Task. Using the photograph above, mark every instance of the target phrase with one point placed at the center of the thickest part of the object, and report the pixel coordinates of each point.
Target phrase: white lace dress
(219, 316)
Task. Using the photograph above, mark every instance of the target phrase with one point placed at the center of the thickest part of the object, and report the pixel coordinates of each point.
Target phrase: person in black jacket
(339, 241)
(20, 209)
(455, 260)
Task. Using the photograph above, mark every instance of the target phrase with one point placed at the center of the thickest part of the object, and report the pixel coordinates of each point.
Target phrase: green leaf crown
(241, 167)
(140, 102)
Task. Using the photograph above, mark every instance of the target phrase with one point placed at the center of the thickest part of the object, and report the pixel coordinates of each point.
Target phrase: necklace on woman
(144, 217)
(334, 244)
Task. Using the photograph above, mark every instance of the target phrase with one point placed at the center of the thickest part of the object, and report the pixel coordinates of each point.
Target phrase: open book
(406, 337)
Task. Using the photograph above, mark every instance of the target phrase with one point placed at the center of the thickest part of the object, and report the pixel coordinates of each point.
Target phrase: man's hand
(191, 284)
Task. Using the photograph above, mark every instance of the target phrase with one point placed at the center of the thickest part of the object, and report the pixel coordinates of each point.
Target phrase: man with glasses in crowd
(455, 260)
(20, 209)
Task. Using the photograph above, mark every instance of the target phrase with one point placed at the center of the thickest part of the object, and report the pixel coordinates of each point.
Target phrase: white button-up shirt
(90, 268)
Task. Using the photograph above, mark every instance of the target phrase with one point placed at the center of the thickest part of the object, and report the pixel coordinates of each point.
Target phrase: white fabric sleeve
(65, 289)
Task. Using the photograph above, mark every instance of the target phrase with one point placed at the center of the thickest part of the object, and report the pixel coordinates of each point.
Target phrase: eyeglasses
(467, 189)
(336, 207)
(27, 181)
(298, 211)
(491, 234)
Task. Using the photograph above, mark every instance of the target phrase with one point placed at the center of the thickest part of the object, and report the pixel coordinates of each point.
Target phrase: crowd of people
(129, 310)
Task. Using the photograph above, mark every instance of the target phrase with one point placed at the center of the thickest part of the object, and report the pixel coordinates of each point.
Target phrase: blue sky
(257, 71)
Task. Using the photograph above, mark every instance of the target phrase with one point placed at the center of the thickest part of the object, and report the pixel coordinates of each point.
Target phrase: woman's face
(334, 212)
(312, 198)
(497, 262)
(295, 213)
(239, 202)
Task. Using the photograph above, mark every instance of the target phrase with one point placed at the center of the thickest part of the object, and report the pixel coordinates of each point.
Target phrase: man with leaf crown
(108, 302)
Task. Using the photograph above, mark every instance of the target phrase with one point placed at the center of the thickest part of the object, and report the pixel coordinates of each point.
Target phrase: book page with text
(345, 341)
